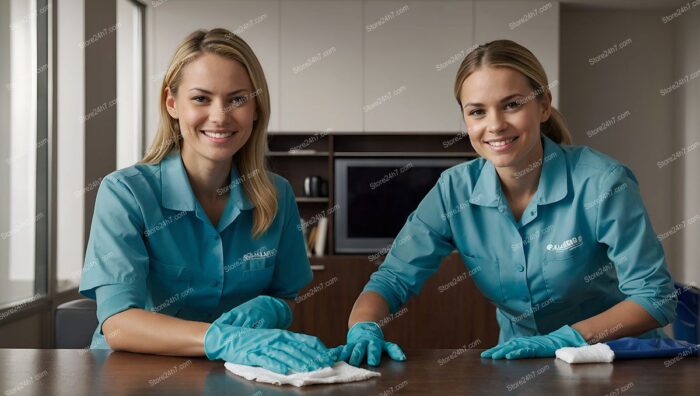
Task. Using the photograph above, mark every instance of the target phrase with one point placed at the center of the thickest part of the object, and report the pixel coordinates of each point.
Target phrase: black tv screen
(376, 196)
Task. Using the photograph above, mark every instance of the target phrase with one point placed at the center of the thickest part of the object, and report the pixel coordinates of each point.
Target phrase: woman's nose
(495, 122)
(219, 111)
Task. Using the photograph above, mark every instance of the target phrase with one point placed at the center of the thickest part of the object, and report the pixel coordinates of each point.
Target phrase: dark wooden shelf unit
(438, 318)
(297, 166)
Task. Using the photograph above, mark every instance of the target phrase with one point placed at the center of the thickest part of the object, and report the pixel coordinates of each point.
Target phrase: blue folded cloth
(636, 348)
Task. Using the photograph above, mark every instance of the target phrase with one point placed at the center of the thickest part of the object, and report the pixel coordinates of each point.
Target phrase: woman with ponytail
(556, 236)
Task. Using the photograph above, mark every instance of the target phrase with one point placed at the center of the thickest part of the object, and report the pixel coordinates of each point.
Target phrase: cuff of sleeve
(284, 314)
(663, 310)
(572, 335)
(392, 301)
(112, 299)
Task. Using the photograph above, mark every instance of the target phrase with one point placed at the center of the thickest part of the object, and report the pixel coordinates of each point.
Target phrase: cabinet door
(533, 24)
(412, 52)
(257, 22)
(321, 66)
(450, 311)
(323, 307)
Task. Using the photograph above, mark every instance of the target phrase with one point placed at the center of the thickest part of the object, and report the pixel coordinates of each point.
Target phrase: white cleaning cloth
(340, 372)
(598, 353)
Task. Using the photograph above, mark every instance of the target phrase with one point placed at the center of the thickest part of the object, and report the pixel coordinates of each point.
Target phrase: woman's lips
(502, 147)
(218, 137)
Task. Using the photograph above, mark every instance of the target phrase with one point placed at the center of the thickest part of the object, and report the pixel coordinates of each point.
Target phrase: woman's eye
(199, 99)
(239, 101)
(476, 112)
(513, 105)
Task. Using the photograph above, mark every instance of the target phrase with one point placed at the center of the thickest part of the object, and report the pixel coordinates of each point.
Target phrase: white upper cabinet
(533, 24)
(412, 52)
(349, 66)
(321, 66)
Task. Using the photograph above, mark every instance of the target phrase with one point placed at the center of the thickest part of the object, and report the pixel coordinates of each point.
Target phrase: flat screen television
(375, 196)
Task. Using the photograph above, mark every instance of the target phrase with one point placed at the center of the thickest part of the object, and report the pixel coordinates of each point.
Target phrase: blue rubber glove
(262, 312)
(536, 346)
(366, 339)
(273, 349)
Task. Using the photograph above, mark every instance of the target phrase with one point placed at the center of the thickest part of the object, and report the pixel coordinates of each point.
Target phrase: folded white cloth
(597, 353)
(340, 372)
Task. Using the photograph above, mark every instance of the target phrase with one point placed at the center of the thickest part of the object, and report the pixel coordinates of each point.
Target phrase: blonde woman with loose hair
(197, 250)
(556, 236)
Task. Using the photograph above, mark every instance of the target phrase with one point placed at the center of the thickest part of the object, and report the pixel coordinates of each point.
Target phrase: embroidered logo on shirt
(569, 244)
(260, 253)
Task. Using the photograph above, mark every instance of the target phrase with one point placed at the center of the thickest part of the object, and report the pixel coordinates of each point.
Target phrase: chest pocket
(252, 276)
(486, 275)
(564, 273)
(169, 287)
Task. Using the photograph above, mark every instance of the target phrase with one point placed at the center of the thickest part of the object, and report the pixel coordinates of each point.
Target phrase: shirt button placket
(219, 265)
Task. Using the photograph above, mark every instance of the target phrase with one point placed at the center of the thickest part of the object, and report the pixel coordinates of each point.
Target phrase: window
(129, 82)
(70, 113)
(23, 150)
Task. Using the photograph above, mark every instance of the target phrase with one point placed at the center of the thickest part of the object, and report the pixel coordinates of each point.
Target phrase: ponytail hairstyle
(507, 53)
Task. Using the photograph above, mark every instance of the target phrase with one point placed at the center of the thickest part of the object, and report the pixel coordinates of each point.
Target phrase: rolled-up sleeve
(623, 225)
(116, 260)
(416, 252)
(292, 267)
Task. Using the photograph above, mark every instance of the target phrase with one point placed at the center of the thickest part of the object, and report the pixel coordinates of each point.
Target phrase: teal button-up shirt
(583, 244)
(152, 246)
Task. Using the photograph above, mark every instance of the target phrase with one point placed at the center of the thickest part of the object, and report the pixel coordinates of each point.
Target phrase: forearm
(369, 307)
(137, 330)
(626, 319)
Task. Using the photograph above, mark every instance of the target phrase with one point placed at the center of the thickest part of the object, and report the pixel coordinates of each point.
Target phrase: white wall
(595, 89)
(686, 102)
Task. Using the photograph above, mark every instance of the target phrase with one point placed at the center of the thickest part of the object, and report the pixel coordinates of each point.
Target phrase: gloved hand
(262, 312)
(272, 349)
(536, 346)
(366, 338)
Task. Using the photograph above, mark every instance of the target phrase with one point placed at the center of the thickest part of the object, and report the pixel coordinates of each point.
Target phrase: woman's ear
(170, 103)
(545, 107)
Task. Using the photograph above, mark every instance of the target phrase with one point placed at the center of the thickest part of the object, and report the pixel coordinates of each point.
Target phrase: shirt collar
(552, 187)
(554, 179)
(238, 194)
(176, 191)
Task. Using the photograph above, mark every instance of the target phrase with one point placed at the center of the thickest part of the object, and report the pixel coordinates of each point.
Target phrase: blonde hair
(507, 53)
(250, 159)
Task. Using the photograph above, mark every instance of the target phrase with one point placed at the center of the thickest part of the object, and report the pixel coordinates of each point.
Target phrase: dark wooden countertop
(426, 372)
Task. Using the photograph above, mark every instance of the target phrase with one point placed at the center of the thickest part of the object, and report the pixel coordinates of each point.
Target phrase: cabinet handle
(319, 267)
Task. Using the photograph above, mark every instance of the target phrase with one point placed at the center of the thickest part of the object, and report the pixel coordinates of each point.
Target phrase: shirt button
(532, 212)
(520, 268)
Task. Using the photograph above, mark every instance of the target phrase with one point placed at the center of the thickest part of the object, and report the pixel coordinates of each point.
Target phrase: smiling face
(215, 108)
(502, 117)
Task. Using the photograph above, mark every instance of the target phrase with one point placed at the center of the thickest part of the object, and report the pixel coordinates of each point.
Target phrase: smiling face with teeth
(215, 109)
(502, 117)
